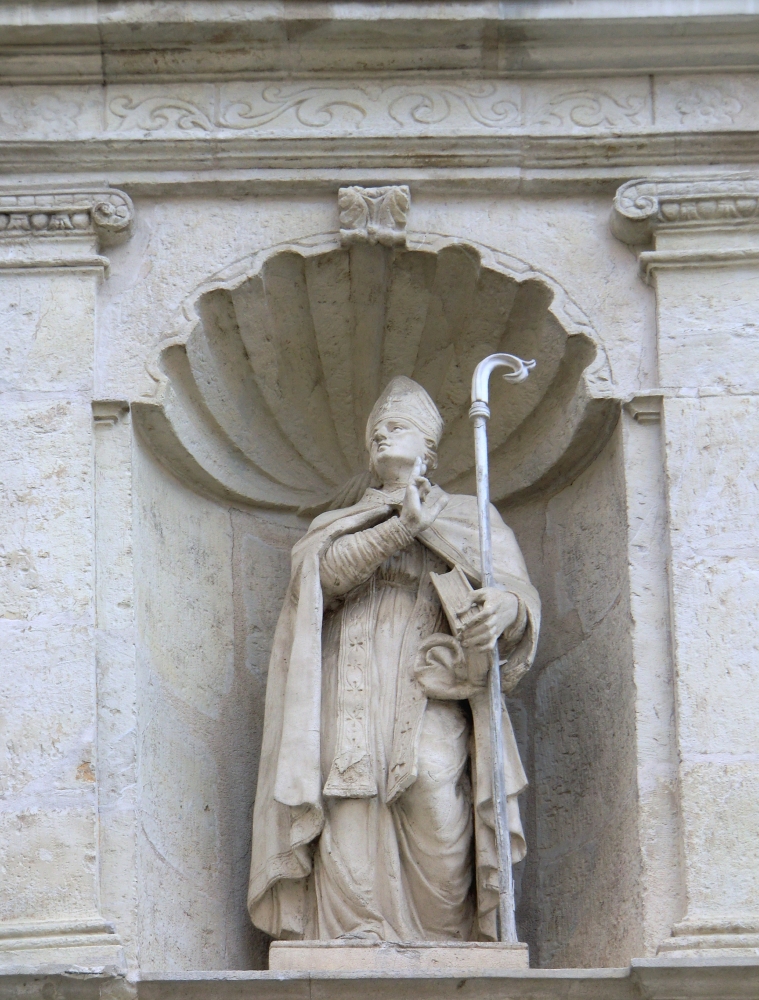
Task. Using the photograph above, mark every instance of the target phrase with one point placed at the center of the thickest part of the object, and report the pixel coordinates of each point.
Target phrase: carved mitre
(407, 399)
(262, 394)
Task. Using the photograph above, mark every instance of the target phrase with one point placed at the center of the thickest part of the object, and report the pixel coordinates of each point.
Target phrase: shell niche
(263, 399)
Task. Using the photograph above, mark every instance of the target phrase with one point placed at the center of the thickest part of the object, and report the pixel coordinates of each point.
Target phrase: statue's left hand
(498, 610)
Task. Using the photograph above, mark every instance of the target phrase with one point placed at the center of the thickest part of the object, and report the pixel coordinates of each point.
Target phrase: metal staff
(480, 413)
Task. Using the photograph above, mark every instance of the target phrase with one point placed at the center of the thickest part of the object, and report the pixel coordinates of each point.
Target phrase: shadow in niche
(575, 715)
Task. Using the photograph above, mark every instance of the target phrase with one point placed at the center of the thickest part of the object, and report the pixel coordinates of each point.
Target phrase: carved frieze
(374, 215)
(378, 106)
(106, 214)
(373, 106)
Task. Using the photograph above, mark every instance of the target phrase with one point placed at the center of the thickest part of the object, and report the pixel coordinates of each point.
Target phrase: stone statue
(373, 817)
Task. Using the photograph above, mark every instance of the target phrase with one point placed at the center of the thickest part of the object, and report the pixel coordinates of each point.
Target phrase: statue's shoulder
(371, 500)
(465, 506)
(462, 501)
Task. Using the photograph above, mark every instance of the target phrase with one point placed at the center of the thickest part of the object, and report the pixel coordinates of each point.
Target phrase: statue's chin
(388, 470)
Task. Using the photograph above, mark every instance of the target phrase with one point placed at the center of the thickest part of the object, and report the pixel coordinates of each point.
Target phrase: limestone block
(50, 112)
(47, 496)
(46, 340)
(712, 467)
(48, 860)
(49, 807)
(708, 330)
(719, 793)
(49, 741)
(713, 510)
(426, 104)
(50, 842)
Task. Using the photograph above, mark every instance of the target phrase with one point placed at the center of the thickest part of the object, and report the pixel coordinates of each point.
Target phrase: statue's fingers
(478, 596)
(480, 618)
(484, 644)
(482, 633)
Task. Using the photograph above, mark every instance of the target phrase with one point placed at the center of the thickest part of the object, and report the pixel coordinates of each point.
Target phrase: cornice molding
(84, 40)
(67, 943)
(505, 164)
(643, 207)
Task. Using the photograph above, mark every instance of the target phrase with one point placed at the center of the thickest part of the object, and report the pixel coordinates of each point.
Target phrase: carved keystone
(106, 214)
(374, 215)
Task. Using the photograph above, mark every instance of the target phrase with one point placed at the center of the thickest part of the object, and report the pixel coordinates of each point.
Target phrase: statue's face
(394, 446)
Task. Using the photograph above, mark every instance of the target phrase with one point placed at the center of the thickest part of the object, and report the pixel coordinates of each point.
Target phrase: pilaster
(50, 267)
(698, 245)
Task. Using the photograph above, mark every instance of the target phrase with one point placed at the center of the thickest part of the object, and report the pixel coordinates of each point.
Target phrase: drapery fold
(288, 814)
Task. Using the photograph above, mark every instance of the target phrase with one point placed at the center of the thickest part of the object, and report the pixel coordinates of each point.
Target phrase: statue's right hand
(419, 508)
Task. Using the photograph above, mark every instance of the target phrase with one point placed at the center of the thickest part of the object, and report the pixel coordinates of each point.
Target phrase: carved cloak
(288, 815)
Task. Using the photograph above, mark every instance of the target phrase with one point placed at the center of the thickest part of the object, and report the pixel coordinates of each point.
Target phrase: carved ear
(264, 398)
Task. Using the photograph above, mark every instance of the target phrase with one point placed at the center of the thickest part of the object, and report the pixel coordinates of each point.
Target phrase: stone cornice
(84, 40)
(641, 207)
(503, 164)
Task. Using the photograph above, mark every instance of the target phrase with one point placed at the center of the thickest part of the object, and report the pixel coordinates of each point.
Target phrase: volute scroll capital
(643, 207)
(34, 216)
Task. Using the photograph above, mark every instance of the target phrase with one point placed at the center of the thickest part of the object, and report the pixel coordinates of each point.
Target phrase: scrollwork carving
(590, 109)
(317, 107)
(379, 106)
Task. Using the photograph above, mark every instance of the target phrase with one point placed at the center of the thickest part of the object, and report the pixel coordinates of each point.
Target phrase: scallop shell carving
(263, 398)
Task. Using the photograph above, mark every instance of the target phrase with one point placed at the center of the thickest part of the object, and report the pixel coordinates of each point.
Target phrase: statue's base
(474, 958)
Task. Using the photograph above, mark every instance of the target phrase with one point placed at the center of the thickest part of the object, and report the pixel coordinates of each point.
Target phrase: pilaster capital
(61, 227)
(644, 207)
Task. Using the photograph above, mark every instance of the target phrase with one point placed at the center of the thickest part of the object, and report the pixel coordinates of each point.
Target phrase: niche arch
(261, 395)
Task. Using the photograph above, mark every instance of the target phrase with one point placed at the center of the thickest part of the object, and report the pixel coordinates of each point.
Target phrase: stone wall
(154, 153)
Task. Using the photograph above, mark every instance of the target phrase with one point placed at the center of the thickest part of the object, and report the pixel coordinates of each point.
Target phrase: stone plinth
(424, 958)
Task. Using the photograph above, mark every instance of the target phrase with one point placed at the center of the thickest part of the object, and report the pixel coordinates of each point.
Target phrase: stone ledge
(698, 978)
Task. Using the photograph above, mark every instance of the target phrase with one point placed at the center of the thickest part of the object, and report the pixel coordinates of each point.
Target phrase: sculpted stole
(373, 816)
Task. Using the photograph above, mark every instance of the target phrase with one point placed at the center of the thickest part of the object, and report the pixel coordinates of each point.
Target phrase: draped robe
(373, 812)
